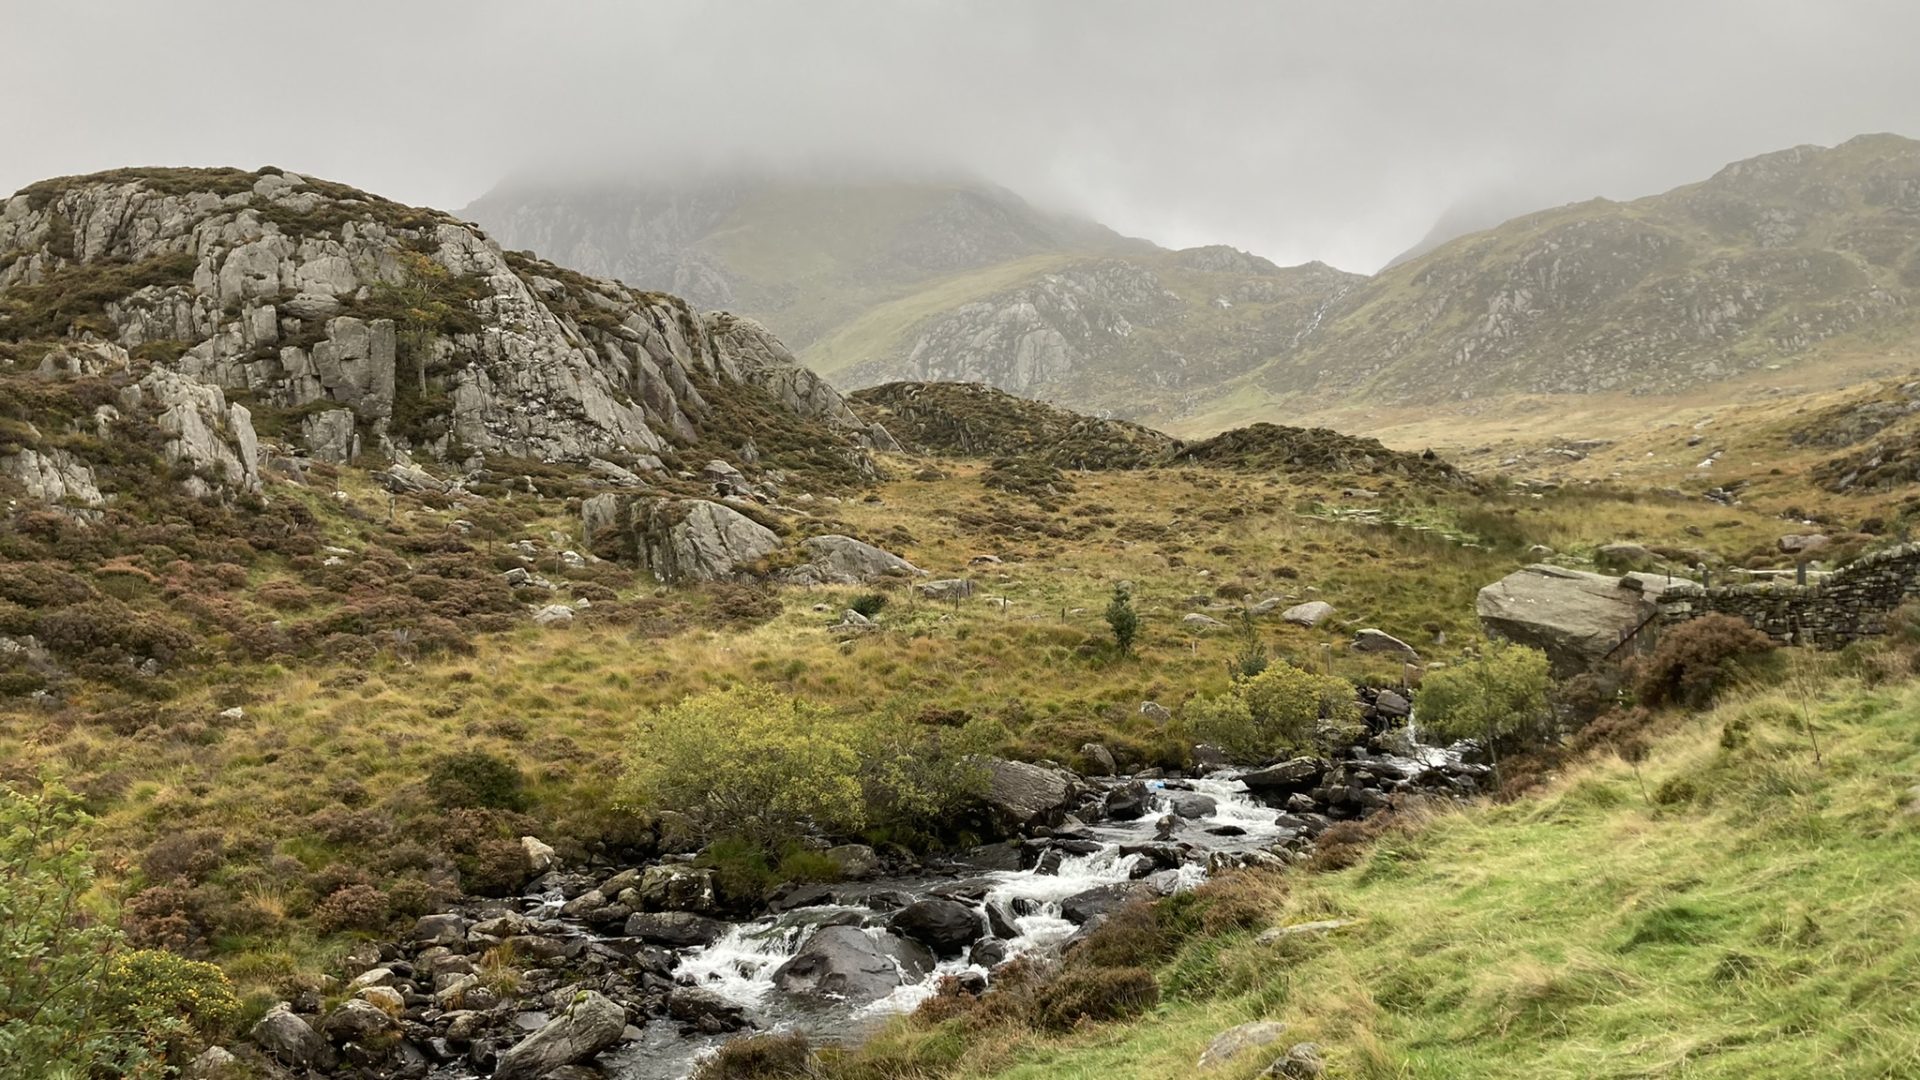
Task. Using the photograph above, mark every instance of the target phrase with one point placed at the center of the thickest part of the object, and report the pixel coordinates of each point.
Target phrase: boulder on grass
(1576, 618)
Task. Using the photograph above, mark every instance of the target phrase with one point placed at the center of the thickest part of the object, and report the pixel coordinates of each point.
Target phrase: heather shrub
(476, 778)
(352, 907)
(1696, 659)
(769, 1056)
(1095, 994)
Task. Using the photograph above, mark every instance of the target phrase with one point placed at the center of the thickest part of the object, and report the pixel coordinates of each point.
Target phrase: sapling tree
(1498, 694)
(1122, 619)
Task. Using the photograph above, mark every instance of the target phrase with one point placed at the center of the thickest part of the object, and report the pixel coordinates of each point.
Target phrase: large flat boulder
(677, 540)
(1576, 618)
(1021, 794)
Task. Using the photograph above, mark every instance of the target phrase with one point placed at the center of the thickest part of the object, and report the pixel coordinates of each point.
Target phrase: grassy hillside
(1731, 908)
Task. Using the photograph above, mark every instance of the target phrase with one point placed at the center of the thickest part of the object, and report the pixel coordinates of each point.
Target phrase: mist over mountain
(1791, 258)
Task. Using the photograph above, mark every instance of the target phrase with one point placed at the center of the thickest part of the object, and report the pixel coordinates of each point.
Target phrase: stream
(739, 967)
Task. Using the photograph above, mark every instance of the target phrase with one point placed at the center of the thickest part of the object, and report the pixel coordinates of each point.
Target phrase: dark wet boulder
(945, 926)
(1297, 774)
(1101, 900)
(1128, 802)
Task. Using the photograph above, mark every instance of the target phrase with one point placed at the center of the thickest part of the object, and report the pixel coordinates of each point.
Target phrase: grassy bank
(1731, 909)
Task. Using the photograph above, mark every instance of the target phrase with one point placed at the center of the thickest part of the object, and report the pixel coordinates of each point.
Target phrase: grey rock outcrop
(1576, 618)
(590, 1024)
(54, 475)
(301, 293)
(842, 560)
(290, 1040)
(1310, 614)
(213, 438)
(677, 540)
(1371, 640)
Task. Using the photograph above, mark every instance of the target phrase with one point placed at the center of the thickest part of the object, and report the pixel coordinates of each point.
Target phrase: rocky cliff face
(229, 303)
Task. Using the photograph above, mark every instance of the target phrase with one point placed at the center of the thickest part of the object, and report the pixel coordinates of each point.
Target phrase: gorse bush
(752, 763)
(1498, 694)
(1280, 710)
(1696, 659)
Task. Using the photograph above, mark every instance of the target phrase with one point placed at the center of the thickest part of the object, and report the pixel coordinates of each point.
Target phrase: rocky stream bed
(635, 973)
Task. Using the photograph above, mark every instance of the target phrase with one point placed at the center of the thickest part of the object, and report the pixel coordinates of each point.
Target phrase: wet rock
(1291, 775)
(1129, 802)
(791, 896)
(945, 926)
(590, 1024)
(674, 929)
(1237, 1042)
(1101, 900)
(1003, 856)
(1000, 920)
(989, 953)
(291, 1041)
(1193, 806)
(842, 961)
(705, 1010)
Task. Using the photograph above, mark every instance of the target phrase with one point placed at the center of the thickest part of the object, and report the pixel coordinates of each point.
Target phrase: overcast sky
(1337, 130)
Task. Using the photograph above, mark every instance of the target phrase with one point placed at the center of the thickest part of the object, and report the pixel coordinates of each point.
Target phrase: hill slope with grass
(1736, 904)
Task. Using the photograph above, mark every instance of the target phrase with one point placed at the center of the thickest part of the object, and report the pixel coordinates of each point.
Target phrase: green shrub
(747, 761)
(868, 604)
(1694, 660)
(352, 907)
(1498, 694)
(1122, 619)
(178, 1005)
(1280, 710)
(56, 1016)
(476, 778)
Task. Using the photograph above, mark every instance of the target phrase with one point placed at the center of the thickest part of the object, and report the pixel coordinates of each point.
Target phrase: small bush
(1499, 694)
(476, 779)
(868, 604)
(179, 1006)
(354, 907)
(1122, 620)
(1094, 995)
(1695, 660)
(1277, 711)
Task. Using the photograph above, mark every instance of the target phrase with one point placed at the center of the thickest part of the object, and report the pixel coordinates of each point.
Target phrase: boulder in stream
(945, 926)
(841, 961)
(1101, 900)
(675, 929)
(590, 1024)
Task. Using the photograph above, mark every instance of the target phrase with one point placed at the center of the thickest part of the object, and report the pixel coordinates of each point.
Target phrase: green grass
(1756, 916)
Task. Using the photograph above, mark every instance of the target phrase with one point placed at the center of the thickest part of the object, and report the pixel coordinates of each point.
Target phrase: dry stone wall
(1850, 603)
